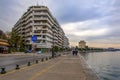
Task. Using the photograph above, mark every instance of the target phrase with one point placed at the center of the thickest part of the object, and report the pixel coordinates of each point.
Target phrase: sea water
(105, 64)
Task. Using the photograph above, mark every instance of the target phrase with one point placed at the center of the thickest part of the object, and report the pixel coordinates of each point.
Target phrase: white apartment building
(66, 42)
(38, 20)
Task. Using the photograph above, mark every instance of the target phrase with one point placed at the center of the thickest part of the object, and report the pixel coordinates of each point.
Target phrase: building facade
(38, 21)
(66, 42)
(3, 43)
(82, 44)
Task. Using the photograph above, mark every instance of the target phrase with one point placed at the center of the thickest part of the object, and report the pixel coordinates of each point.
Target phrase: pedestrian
(73, 52)
(76, 52)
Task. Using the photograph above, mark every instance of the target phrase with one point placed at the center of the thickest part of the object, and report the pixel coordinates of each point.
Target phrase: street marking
(45, 70)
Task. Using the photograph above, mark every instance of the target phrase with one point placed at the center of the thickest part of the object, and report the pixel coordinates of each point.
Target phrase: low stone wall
(90, 74)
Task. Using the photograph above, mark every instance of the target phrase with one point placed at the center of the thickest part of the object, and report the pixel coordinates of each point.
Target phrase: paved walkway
(66, 67)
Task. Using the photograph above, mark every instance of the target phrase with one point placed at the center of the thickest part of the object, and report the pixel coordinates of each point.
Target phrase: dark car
(28, 51)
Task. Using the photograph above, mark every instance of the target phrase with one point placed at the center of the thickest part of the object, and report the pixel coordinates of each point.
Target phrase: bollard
(28, 64)
(52, 57)
(36, 61)
(17, 67)
(3, 71)
(42, 59)
(55, 56)
(59, 54)
(46, 58)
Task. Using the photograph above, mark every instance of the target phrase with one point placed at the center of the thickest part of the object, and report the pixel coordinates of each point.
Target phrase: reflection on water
(106, 64)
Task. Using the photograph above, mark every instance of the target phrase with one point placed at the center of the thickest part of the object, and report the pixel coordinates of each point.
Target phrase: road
(9, 62)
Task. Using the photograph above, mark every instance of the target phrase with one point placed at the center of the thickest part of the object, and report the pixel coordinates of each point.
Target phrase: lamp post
(34, 39)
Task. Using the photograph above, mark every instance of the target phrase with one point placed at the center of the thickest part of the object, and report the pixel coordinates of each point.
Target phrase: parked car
(28, 51)
(39, 52)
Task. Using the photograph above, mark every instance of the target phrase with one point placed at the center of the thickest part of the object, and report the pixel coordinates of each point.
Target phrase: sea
(105, 64)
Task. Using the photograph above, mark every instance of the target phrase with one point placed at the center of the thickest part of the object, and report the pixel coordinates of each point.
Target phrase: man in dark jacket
(73, 52)
(76, 52)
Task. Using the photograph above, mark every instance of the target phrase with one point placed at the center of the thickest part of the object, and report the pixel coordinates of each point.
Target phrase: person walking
(76, 52)
(73, 52)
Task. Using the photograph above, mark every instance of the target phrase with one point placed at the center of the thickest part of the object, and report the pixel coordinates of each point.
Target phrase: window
(44, 36)
(39, 35)
(44, 27)
(44, 41)
(44, 31)
(38, 41)
(37, 31)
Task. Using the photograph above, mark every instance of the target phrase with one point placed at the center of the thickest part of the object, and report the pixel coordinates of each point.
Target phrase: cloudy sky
(95, 21)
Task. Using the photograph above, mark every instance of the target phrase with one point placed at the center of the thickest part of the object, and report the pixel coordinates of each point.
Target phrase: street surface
(9, 61)
(66, 67)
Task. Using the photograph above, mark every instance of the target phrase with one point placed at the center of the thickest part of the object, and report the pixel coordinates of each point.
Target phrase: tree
(2, 35)
(76, 48)
(15, 41)
(61, 49)
(86, 48)
(55, 48)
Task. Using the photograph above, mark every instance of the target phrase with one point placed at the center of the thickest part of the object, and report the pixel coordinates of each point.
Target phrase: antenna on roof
(42, 2)
(37, 2)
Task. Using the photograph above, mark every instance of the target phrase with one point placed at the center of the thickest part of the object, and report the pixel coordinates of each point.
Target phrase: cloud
(96, 21)
(93, 31)
(86, 28)
(81, 10)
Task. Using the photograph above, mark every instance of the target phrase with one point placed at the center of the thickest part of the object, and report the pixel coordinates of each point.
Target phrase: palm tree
(15, 41)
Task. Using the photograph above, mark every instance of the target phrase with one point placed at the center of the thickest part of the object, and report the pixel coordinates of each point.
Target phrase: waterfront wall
(90, 74)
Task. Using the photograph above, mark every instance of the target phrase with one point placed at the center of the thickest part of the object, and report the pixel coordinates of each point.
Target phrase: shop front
(3, 46)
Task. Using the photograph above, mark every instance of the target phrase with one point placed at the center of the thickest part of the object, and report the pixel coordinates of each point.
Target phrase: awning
(4, 43)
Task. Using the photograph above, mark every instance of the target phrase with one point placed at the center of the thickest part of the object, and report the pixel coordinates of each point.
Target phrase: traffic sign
(34, 38)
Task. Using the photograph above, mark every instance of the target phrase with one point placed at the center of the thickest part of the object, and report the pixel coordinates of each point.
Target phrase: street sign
(34, 38)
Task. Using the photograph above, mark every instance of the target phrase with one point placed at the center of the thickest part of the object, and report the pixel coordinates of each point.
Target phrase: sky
(95, 21)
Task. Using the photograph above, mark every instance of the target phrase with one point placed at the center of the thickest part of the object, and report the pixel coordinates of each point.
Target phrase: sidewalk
(66, 67)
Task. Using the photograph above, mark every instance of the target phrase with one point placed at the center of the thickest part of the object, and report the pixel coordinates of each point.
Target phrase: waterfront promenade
(65, 67)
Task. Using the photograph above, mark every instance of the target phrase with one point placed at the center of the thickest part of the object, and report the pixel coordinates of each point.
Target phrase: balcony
(42, 8)
(31, 19)
(28, 38)
(40, 18)
(40, 38)
(39, 13)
